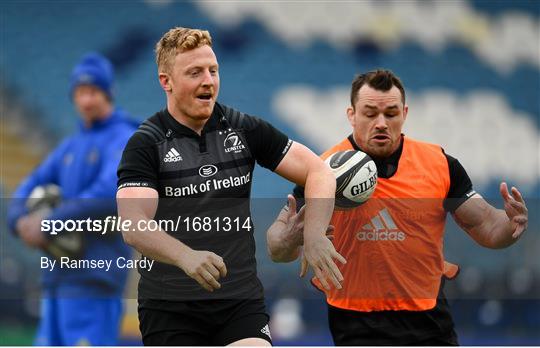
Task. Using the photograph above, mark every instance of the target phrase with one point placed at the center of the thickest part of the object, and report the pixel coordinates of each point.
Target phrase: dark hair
(381, 80)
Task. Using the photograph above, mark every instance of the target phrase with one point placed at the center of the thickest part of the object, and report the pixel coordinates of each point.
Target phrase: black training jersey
(204, 185)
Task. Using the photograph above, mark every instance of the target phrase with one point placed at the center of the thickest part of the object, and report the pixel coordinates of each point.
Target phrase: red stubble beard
(199, 109)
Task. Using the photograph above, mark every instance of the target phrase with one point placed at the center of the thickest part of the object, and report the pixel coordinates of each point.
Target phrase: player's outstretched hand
(295, 222)
(205, 267)
(320, 254)
(515, 209)
(304, 266)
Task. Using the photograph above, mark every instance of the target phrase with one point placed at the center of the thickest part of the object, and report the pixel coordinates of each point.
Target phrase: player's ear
(350, 115)
(405, 112)
(165, 82)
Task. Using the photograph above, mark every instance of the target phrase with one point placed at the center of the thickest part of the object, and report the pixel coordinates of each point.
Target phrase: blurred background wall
(471, 71)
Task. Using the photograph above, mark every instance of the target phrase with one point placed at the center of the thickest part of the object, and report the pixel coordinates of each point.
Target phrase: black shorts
(433, 327)
(202, 323)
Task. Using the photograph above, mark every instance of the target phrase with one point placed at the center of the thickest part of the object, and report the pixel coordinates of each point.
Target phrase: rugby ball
(356, 177)
(42, 201)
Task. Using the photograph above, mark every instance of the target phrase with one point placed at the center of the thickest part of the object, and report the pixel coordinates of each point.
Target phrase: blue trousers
(79, 321)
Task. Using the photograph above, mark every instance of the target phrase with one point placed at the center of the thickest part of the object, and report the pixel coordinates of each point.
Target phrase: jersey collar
(179, 129)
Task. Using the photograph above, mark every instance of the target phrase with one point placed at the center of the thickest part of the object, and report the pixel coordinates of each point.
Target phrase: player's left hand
(515, 209)
(304, 266)
(29, 229)
(320, 254)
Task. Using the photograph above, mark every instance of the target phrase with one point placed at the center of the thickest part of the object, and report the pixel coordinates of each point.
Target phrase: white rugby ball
(356, 177)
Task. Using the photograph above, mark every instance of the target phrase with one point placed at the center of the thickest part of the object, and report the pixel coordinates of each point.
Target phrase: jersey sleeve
(138, 166)
(267, 143)
(461, 188)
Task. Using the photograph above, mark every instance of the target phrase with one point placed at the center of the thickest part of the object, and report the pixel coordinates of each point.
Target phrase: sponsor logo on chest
(381, 228)
(208, 186)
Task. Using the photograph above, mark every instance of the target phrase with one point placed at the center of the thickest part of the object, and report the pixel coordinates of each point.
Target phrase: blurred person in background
(196, 159)
(393, 279)
(81, 306)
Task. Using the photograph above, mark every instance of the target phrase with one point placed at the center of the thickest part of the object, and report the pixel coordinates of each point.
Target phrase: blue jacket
(84, 167)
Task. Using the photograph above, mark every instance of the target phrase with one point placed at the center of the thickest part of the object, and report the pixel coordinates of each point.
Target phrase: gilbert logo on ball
(356, 177)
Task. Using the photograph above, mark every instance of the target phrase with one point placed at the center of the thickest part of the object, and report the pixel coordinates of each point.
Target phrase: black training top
(204, 185)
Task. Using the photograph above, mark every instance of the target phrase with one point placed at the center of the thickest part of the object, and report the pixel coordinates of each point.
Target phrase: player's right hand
(295, 224)
(205, 267)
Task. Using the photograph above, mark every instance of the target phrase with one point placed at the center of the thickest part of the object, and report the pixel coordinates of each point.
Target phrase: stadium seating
(471, 70)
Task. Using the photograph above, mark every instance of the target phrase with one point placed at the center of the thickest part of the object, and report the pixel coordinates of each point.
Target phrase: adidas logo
(266, 330)
(381, 228)
(172, 156)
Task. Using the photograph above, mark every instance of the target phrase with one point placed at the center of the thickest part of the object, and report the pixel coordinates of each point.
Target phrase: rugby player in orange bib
(393, 243)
